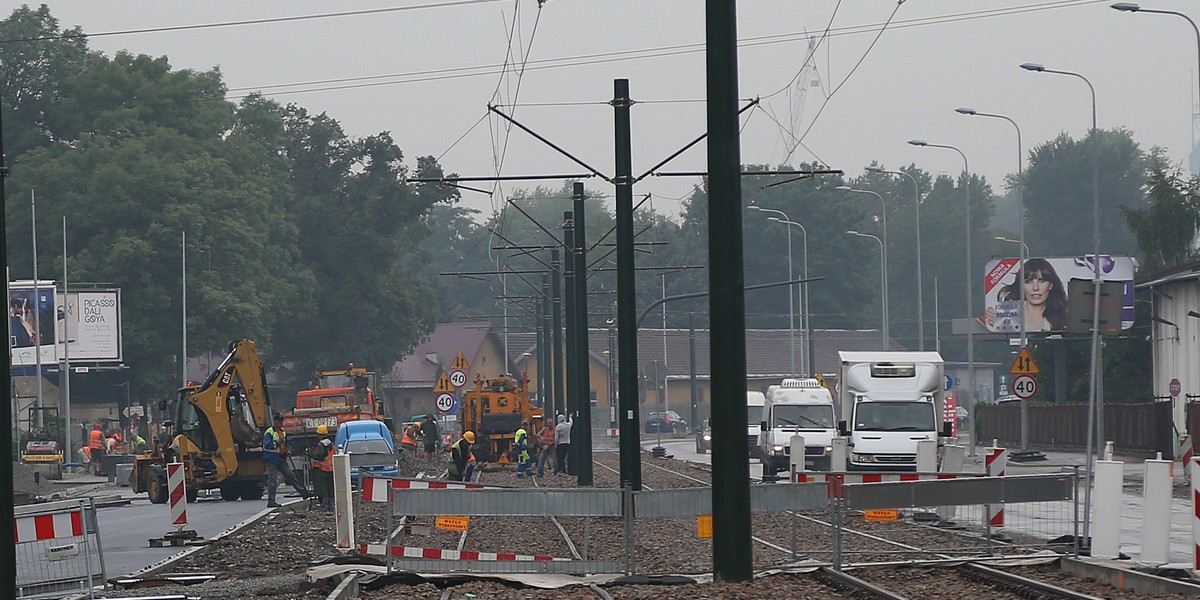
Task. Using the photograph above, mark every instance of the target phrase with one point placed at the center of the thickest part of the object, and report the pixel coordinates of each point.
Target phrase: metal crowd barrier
(58, 549)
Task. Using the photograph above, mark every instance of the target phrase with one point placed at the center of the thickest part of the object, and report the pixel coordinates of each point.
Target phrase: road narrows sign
(460, 362)
(1023, 364)
(443, 384)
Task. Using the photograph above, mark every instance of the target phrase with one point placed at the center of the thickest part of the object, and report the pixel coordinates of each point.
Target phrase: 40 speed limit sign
(1024, 386)
(446, 403)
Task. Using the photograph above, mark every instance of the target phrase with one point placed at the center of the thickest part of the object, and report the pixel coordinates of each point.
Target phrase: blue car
(370, 446)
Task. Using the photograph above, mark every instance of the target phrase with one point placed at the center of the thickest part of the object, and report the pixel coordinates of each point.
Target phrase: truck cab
(754, 416)
(796, 407)
(890, 401)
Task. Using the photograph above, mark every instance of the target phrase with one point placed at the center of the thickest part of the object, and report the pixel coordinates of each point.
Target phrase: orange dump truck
(336, 397)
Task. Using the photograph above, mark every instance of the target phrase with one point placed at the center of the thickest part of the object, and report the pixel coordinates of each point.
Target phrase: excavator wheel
(252, 491)
(230, 492)
(156, 489)
(192, 494)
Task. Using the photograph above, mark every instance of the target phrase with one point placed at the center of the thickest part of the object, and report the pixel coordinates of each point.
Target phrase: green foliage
(1166, 227)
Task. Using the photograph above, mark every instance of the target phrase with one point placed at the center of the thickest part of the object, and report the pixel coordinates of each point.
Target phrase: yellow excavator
(218, 433)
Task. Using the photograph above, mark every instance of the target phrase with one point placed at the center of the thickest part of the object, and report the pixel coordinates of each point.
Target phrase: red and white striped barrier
(1195, 464)
(435, 554)
(613, 433)
(835, 481)
(375, 489)
(997, 462)
(177, 490)
(1185, 452)
(47, 527)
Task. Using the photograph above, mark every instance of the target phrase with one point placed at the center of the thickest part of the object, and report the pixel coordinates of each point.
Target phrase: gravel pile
(775, 587)
(952, 583)
(1055, 576)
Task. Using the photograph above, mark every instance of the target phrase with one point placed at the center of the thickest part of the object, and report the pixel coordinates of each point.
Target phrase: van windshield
(754, 415)
(803, 416)
(894, 416)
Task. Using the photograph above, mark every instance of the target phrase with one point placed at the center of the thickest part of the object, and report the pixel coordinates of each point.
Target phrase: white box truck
(796, 407)
(754, 416)
(889, 401)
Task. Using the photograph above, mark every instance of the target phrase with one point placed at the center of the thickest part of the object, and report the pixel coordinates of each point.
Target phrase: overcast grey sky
(435, 69)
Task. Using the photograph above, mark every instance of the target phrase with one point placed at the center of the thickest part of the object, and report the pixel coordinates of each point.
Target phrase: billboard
(1046, 283)
(42, 320)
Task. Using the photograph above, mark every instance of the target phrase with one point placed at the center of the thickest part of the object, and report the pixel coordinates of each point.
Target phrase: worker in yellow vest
(321, 455)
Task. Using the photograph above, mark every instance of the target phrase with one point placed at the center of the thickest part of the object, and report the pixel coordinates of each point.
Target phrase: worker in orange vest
(322, 468)
(96, 447)
(408, 438)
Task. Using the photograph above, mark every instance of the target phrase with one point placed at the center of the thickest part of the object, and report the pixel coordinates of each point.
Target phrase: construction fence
(838, 520)
(58, 549)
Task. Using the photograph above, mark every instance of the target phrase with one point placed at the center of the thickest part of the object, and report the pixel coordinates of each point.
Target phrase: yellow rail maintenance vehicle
(494, 410)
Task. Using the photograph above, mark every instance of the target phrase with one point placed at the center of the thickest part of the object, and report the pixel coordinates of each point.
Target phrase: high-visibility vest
(325, 464)
(407, 437)
(95, 440)
(547, 435)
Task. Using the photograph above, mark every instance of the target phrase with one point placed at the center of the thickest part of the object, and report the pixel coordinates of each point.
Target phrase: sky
(427, 70)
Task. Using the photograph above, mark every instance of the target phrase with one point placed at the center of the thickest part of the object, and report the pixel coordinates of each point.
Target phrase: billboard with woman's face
(83, 325)
(31, 321)
(1042, 288)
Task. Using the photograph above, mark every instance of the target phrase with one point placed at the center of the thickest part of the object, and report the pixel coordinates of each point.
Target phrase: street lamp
(809, 367)
(920, 287)
(791, 303)
(970, 287)
(1024, 251)
(882, 279)
(883, 217)
(1095, 400)
(1024, 246)
(1135, 7)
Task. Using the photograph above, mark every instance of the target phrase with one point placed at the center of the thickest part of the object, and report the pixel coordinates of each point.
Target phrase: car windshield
(803, 416)
(754, 415)
(894, 416)
(367, 447)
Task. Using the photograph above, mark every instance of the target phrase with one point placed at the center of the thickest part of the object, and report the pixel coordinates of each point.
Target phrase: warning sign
(460, 363)
(443, 384)
(452, 523)
(884, 515)
(1023, 364)
(704, 526)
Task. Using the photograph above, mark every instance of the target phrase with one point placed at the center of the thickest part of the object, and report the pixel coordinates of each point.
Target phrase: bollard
(996, 461)
(1106, 509)
(1184, 453)
(839, 455)
(177, 492)
(797, 455)
(1195, 514)
(1108, 450)
(342, 502)
(1156, 511)
(952, 462)
(927, 456)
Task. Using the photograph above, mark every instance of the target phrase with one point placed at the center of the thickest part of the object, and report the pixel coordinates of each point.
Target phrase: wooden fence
(1138, 429)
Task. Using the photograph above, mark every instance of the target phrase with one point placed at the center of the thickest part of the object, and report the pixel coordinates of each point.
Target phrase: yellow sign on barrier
(704, 526)
(886, 515)
(452, 523)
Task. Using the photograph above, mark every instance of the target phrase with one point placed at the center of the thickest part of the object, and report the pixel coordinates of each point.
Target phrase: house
(407, 388)
(1175, 337)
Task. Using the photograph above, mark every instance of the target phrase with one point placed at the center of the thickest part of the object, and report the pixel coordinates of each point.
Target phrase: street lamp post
(1024, 251)
(970, 287)
(883, 217)
(920, 287)
(808, 366)
(882, 278)
(1095, 400)
(1135, 7)
(791, 303)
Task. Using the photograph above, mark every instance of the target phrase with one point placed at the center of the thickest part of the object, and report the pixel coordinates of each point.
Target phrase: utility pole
(581, 437)
(556, 329)
(8, 551)
(732, 553)
(546, 364)
(571, 307)
(627, 370)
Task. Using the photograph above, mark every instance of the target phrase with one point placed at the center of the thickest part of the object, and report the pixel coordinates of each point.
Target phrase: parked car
(665, 422)
(704, 438)
(370, 446)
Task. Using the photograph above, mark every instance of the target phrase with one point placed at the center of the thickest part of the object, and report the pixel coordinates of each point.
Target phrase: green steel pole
(545, 364)
(732, 553)
(581, 437)
(8, 551)
(556, 351)
(572, 336)
(627, 367)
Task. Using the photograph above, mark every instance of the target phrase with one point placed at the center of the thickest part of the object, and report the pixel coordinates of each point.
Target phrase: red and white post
(1184, 453)
(1195, 464)
(996, 461)
(177, 491)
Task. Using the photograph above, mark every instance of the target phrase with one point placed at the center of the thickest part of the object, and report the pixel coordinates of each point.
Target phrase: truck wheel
(156, 489)
(230, 492)
(252, 491)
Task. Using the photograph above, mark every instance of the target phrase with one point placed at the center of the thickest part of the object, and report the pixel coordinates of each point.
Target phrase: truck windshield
(894, 416)
(803, 416)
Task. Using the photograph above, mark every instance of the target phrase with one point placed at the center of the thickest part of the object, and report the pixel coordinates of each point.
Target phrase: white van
(797, 407)
(754, 412)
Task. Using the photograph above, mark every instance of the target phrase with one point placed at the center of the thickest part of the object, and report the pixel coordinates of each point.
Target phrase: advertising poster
(91, 325)
(1045, 283)
(31, 322)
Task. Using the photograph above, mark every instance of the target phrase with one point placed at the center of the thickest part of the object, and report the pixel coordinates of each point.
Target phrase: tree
(1166, 227)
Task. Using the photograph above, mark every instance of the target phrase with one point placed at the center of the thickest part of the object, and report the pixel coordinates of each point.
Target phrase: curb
(346, 590)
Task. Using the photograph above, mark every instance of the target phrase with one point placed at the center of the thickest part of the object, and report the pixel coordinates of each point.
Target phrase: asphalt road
(125, 530)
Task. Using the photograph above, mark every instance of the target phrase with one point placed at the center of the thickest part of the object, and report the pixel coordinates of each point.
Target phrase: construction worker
(275, 455)
(139, 444)
(96, 447)
(521, 448)
(322, 468)
(429, 434)
(562, 443)
(408, 438)
(545, 440)
(460, 456)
